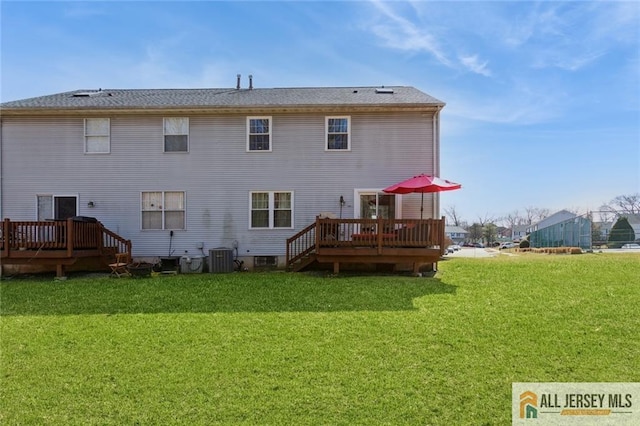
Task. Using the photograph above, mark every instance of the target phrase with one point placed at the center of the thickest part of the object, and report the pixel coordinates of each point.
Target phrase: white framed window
(97, 136)
(259, 134)
(163, 210)
(271, 209)
(176, 134)
(338, 131)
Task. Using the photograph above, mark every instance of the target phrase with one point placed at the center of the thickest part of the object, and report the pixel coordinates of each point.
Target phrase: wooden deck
(367, 241)
(58, 243)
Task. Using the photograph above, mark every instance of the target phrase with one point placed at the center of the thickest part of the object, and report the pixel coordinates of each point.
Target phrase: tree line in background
(487, 228)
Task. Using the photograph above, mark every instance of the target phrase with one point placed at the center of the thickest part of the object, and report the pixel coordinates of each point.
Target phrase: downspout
(436, 160)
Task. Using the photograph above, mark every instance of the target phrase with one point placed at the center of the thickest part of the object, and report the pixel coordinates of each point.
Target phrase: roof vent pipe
(250, 81)
(238, 82)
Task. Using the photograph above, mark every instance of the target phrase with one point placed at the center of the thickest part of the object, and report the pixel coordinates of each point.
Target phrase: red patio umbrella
(422, 183)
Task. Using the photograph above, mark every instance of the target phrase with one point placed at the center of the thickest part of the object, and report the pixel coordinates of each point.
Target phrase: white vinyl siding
(338, 131)
(97, 136)
(163, 210)
(259, 134)
(176, 134)
(271, 209)
(389, 145)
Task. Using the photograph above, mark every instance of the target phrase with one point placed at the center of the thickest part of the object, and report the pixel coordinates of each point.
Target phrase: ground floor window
(163, 210)
(271, 209)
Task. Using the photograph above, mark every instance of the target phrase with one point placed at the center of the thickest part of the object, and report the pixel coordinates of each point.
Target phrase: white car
(631, 246)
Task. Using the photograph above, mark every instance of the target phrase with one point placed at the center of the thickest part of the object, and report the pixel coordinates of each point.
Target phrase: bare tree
(535, 214)
(513, 219)
(484, 220)
(606, 213)
(453, 215)
(626, 204)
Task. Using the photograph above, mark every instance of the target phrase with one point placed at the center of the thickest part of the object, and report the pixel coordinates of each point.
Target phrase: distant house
(634, 221)
(518, 232)
(457, 234)
(551, 220)
(181, 171)
(604, 228)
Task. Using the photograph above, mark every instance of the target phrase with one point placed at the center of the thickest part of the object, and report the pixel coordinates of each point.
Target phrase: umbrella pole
(421, 204)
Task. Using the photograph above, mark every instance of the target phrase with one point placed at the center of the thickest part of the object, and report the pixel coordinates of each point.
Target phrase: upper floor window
(97, 136)
(338, 131)
(163, 210)
(271, 210)
(259, 134)
(176, 134)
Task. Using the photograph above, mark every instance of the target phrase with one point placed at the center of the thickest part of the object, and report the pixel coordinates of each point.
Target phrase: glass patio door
(377, 205)
(57, 207)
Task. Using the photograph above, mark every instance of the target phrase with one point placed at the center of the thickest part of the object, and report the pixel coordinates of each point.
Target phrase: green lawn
(283, 348)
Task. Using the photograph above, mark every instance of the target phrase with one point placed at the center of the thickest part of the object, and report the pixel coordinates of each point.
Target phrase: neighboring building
(634, 221)
(518, 232)
(457, 234)
(562, 229)
(604, 229)
(555, 218)
(187, 170)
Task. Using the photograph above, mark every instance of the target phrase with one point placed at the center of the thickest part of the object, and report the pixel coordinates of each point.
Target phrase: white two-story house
(186, 170)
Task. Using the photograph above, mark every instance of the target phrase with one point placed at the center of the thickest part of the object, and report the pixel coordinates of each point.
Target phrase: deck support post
(6, 232)
(59, 270)
(336, 268)
(70, 237)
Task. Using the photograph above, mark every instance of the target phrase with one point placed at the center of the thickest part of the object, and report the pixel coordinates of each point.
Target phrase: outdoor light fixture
(91, 204)
(342, 201)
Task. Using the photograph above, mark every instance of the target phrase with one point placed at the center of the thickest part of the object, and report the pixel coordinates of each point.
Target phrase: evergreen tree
(621, 233)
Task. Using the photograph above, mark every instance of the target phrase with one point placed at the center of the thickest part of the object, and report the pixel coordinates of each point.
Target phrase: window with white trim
(259, 134)
(176, 134)
(163, 210)
(338, 133)
(271, 209)
(97, 136)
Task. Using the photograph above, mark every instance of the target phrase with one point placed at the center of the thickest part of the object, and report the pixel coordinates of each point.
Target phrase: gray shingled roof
(224, 98)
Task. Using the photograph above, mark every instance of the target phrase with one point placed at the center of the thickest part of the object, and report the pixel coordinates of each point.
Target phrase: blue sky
(543, 98)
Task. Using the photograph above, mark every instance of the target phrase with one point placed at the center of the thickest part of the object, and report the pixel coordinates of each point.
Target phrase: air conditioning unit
(221, 260)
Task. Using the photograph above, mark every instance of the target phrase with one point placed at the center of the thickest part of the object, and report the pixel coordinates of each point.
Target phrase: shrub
(524, 244)
(621, 233)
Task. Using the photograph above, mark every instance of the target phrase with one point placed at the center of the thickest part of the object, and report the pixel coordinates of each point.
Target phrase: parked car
(631, 246)
(456, 247)
(450, 249)
(507, 245)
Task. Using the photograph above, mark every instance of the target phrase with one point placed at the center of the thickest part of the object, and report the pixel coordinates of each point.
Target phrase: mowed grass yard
(283, 348)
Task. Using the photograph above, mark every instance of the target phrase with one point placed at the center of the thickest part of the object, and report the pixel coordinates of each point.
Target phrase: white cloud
(473, 63)
(400, 33)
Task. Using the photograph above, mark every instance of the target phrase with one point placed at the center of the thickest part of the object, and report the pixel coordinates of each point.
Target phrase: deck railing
(69, 235)
(378, 233)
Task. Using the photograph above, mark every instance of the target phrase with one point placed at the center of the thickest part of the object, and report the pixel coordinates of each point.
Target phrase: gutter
(436, 158)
